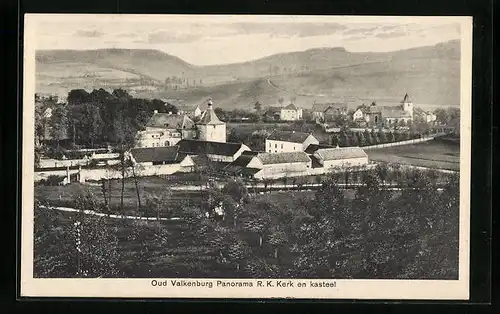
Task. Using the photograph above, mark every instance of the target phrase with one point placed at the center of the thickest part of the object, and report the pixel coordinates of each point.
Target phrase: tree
(277, 239)
(382, 137)
(361, 139)
(59, 124)
(390, 137)
(281, 100)
(257, 106)
(96, 242)
(78, 97)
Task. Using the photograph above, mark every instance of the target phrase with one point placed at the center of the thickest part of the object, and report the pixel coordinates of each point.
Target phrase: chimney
(155, 112)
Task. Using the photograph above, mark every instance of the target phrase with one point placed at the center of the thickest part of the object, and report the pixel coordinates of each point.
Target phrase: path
(94, 213)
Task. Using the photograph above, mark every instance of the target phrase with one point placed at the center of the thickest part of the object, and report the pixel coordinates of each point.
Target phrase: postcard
(246, 156)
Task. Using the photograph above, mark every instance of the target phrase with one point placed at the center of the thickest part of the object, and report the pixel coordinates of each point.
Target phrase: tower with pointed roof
(210, 128)
(408, 105)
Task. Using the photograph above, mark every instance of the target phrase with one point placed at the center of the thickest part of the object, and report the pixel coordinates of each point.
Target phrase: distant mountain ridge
(146, 70)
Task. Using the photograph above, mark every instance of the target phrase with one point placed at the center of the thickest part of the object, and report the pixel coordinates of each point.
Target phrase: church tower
(210, 128)
(408, 105)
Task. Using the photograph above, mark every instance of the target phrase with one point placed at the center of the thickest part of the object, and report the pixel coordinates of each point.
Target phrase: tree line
(367, 138)
(97, 118)
(379, 234)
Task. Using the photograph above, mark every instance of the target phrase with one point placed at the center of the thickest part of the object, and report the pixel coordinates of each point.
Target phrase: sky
(209, 40)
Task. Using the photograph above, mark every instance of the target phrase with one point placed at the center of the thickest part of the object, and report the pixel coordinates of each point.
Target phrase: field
(432, 154)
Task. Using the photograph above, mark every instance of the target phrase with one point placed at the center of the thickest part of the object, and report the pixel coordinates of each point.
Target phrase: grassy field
(432, 154)
(148, 187)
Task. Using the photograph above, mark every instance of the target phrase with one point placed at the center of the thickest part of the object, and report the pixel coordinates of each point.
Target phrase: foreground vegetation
(412, 233)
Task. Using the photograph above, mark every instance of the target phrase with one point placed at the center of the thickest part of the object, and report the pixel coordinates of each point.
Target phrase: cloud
(161, 37)
(363, 31)
(394, 34)
(127, 35)
(288, 29)
(88, 33)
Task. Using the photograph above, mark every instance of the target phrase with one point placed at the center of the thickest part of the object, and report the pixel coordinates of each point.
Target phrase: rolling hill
(430, 74)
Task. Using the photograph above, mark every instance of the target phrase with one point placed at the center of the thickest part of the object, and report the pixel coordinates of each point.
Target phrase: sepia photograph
(246, 156)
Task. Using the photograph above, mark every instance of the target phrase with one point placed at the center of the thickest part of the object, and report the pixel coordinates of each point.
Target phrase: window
(281, 146)
(294, 148)
(275, 145)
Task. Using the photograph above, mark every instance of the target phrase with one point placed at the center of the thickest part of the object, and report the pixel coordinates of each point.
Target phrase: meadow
(432, 154)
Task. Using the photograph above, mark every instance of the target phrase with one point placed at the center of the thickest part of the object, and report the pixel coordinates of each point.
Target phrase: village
(185, 140)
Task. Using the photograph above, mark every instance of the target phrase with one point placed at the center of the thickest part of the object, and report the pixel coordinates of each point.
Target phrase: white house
(290, 113)
(358, 115)
(215, 151)
(210, 128)
(341, 157)
(166, 129)
(282, 164)
(289, 141)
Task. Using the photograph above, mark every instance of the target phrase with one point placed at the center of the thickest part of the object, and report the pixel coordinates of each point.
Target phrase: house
(426, 116)
(159, 156)
(210, 128)
(193, 111)
(358, 115)
(291, 113)
(166, 129)
(328, 111)
(215, 151)
(334, 111)
(282, 164)
(289, 141)
(341, 157)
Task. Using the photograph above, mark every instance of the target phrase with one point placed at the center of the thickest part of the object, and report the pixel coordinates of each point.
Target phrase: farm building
(328, 111)
(290, 113)
(341, 157)
(289, 141)
(273, 164)
(159, 156)
(215, 151)
(166, 129)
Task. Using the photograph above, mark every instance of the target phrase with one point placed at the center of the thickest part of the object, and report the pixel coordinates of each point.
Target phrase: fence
(109, 158)
(261, 175)
(97, 174)
(400, 143)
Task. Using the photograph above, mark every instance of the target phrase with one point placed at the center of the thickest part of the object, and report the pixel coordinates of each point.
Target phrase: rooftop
(407, 98)
(170, 121)
(291, 106)
(321, 107)
(314, 147)
(195, 147)
(209, 117)
(288, 136)
(155, 154)
(282, 158)
(340, 153)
